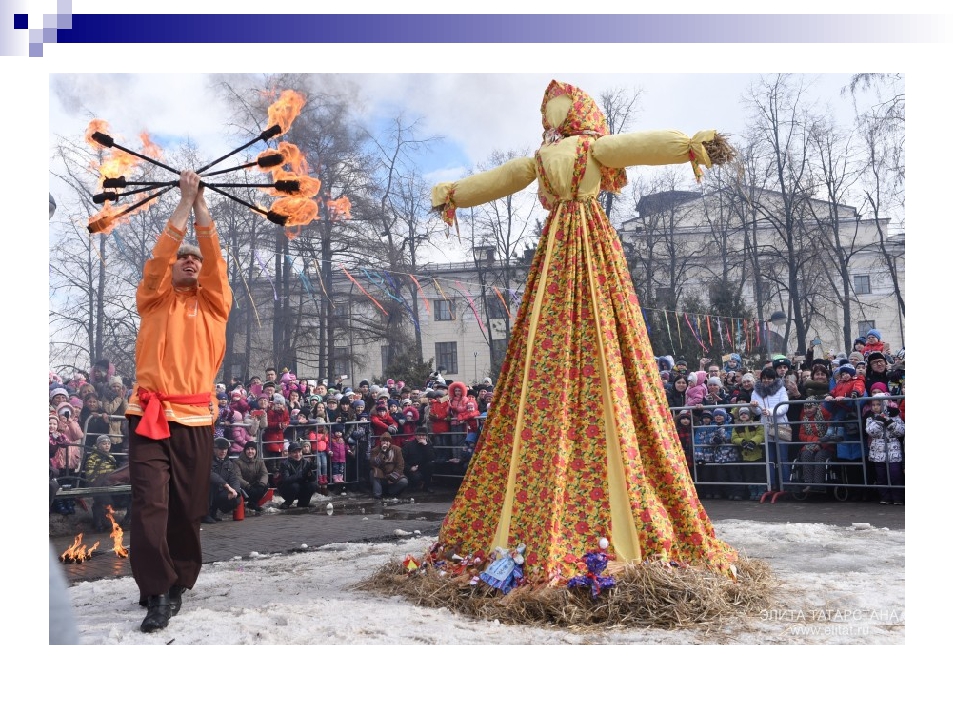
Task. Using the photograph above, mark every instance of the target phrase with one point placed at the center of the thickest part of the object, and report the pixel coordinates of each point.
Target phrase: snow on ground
(841, 585)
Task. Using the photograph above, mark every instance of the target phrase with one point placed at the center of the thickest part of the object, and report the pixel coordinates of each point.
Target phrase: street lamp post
(779, 319)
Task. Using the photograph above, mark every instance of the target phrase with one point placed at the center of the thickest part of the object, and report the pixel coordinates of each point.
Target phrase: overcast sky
(474, 113)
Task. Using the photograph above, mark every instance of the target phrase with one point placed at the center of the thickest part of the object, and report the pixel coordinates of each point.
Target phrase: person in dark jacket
(418, 458)
(254, 478)
(298, 478)
(225, 487)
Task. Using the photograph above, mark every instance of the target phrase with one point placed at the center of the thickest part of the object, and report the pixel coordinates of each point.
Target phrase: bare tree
(621, 106)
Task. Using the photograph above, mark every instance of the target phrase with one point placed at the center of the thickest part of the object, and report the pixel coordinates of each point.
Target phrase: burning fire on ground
(78, 552)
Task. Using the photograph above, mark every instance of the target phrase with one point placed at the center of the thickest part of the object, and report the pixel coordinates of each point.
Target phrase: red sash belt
(154, 424)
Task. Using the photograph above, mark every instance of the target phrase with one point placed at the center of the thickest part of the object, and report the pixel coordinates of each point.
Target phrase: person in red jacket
(463, 412)
(439, 418)
(382, 422)
(278, 419)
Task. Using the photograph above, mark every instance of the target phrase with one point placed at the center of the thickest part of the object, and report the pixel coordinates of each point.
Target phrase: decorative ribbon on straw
(727, 327)
(676, 316)
(249, 294)
(360, 287)
(426, 303)
(265, 272)
(709, 330)
(515, 298)
(463, 291)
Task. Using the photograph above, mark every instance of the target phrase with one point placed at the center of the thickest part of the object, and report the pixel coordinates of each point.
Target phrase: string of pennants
(729, 332)
(732, 332)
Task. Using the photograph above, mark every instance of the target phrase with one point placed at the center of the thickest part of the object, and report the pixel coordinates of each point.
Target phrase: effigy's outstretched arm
(507, 179)
(663, 147)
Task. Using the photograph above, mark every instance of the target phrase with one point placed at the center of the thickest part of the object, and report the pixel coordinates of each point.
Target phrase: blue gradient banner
(23, 33)
(273, 28)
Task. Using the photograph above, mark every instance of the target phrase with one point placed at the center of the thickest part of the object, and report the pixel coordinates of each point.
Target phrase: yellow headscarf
(583, 118)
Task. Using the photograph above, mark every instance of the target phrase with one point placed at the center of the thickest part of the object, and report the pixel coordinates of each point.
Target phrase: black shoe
(176, 598)
(158, 613)
(287, 505)
(208, 519)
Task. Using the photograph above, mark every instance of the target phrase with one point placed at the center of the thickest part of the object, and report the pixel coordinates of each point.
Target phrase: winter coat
(813, 426)
(751, 432)
(697, 392)
(384, 462)
(277, 422)
(463, 410)
(252, 472)
(723, 449)
(885, 445)
(114, 403)
(703, 450)
(338, 450)
(769, 398)
(685, 433)
(411, 418)
(439, 415)
(98, 464)
(239, 433)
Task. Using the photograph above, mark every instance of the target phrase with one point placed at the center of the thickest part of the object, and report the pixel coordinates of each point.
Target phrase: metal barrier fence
(839, 466)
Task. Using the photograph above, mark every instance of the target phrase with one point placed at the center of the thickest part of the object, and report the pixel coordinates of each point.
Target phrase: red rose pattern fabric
(579, 347)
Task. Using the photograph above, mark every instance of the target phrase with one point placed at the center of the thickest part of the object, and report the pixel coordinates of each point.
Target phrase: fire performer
(183, 301)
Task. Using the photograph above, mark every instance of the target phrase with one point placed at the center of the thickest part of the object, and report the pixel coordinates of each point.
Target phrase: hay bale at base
(651, 595)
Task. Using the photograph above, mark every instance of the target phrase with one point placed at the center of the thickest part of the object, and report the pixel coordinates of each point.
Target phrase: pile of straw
(646, 595)
(720, 151)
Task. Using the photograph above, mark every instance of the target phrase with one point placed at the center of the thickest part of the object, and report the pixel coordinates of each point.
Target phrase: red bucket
(238, 512)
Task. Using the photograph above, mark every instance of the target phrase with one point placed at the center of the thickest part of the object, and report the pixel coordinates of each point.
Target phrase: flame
(293, 158)
(340, 208)
(297, 210)
(78, 552)
(116, 535)
(285, 110)
(96, 125)
(150, 148)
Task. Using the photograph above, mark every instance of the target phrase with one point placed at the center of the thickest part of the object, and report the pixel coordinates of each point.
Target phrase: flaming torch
(296, 188)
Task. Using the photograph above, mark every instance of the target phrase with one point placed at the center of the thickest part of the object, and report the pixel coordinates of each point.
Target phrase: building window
(495, 308)
(341, 362)
(384, 356)
(341, 309)
(446, 357)
(663, 296)
(443, 310)
(865, 326)
(861, 284)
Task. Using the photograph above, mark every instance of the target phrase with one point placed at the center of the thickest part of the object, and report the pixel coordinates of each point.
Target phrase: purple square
(20, 21)
(36, 49)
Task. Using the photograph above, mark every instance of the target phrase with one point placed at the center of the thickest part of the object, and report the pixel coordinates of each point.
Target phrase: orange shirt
(182, 337)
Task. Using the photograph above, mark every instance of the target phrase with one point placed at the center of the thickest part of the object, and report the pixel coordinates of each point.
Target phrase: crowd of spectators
(746, 430)
(277, 432)
(297, 437)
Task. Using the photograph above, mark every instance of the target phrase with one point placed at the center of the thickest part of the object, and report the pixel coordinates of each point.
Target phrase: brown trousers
(170, 485)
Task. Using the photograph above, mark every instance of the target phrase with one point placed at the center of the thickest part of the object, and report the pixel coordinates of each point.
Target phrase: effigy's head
(567, 111)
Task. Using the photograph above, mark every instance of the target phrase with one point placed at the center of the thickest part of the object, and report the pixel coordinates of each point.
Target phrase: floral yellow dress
(579, 444)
